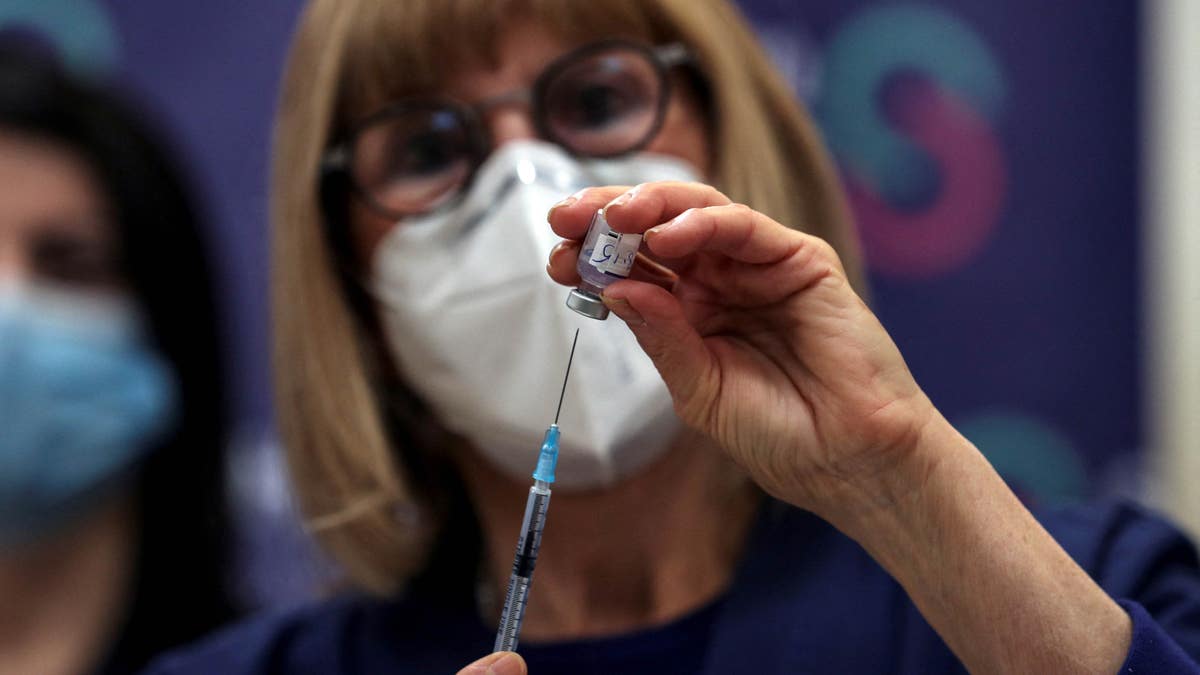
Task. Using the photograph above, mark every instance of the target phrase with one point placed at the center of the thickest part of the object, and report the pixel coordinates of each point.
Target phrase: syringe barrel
(524, 561)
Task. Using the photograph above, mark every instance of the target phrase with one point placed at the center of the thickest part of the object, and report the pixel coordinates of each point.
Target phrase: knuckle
(824, 251)
(649, 188)
(741, 210)
(715, 196)
(637, 190)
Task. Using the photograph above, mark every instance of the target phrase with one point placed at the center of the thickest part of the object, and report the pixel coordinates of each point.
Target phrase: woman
(110, 397)
(418, 357)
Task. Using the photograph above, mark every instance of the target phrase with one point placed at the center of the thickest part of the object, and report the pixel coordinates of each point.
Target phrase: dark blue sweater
(805, 599)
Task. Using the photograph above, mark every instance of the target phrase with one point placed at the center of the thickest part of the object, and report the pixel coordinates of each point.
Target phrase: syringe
(531, 530)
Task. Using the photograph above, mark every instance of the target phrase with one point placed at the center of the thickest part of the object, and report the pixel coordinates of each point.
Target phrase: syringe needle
(536, 506)
(565, 376)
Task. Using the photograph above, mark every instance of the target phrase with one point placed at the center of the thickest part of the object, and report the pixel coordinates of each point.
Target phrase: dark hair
(181, 588)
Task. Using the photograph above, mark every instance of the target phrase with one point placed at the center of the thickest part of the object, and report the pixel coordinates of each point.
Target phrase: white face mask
(482, 334)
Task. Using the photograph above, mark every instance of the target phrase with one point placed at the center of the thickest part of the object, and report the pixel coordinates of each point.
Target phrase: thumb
(676, 348)
(498, 663)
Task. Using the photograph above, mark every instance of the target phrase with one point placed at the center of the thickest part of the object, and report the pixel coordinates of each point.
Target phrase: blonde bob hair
(348, 58)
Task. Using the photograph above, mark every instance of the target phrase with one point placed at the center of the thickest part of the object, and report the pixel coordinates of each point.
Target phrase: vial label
(614, 253)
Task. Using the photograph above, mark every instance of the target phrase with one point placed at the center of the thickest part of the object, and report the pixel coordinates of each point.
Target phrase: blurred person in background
(111, 422)
(788, 501)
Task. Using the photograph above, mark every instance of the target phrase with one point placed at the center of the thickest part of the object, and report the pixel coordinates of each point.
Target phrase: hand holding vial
(762, 343)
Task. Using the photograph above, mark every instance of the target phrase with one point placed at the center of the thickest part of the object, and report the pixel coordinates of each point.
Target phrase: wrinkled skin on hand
(762, 341)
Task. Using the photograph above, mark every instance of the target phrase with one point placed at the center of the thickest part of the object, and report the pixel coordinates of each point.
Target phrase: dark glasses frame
(338, 159)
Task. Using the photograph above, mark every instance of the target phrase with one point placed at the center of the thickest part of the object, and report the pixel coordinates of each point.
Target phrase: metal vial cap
(587, 304)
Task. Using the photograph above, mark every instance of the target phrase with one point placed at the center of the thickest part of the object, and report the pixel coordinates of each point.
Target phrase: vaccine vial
(606, 257)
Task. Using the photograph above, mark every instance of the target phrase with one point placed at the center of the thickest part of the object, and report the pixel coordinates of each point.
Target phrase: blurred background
(1023, 175)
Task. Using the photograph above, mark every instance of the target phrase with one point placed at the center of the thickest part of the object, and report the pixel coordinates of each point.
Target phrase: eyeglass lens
(606, 102)
(409, 162)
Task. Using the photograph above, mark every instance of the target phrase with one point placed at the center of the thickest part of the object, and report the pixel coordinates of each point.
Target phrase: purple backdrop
(990, 150)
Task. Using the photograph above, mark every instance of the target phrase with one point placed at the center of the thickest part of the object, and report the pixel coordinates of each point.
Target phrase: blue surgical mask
(82, 399)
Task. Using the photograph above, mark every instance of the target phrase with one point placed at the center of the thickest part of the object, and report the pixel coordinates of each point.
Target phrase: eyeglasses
(602, 100)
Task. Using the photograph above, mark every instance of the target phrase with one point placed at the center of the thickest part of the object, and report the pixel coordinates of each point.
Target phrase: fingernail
(508, 664)
(553, 252)
(623, 310)
(653, 232)
(565, 202)
(620, 201)
(659, 229)
(562, 247)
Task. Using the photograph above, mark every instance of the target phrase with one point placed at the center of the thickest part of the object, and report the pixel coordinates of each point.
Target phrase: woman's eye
(425, 154)
(598, 105)
(67, 261)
